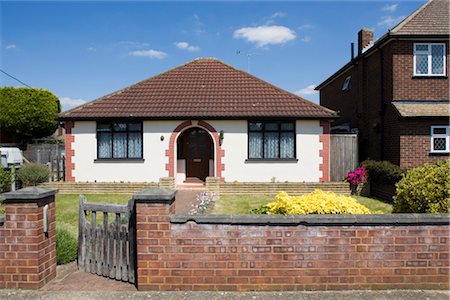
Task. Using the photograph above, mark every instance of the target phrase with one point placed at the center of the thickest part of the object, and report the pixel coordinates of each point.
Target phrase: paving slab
(316, 295)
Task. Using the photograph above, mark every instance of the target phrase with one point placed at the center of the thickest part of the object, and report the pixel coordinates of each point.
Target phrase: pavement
(316, 295)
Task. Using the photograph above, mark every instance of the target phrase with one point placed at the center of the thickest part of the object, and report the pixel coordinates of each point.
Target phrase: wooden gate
(105, 247)
(343, 155)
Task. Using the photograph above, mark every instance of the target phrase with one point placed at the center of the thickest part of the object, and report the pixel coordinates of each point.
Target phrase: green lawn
(67, 207)
(241, 204)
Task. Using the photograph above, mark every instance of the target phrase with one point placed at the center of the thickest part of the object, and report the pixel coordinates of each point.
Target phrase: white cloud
(390, 7)
(278, 14)
(265, 35)
(10, 46)
(69, 102)
(91, 49)
(308, 90)
(305, 26)
(148, 53)
(306, 39)
(388, 21)
(186, 46)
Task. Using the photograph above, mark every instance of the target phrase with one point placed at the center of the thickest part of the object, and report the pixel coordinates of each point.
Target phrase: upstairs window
(271, 140)
(429, 59)
(119, 140)
(440, 139)
(347, 84)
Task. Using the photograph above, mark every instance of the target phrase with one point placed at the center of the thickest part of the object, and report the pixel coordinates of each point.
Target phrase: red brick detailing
(27, 254)
(192, 256)
(70, 153)
(325, 151)
(171, 155)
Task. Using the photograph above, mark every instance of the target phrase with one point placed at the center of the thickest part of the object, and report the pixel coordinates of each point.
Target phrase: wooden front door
(196, 147)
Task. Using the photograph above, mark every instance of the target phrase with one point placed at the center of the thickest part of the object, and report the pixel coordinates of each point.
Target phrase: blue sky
(83, 50)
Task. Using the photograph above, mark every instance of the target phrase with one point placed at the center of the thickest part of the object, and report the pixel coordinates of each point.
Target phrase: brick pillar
(27, 243)
(153, 208)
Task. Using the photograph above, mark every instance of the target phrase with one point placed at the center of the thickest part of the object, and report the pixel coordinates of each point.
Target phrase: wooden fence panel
(343, 155)
(107, 249)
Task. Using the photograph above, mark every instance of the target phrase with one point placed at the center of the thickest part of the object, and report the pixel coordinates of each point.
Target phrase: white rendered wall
(150, 170)
(237, 168)
(235, 145)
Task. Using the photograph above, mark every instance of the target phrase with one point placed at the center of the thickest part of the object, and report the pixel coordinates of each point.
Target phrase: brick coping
(317, 220)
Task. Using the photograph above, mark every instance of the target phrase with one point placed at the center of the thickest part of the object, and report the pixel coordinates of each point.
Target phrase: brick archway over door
(219, 153)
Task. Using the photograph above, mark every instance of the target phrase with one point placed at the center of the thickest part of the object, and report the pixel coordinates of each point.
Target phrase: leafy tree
(28, 112)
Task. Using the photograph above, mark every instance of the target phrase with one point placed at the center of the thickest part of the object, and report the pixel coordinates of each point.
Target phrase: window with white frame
(440, 139)
(429, 59)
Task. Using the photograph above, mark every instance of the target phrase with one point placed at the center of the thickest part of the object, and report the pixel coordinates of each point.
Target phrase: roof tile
(206, 88)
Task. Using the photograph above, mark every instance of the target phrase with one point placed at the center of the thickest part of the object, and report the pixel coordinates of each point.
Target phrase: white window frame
(446, 136)
(428, 52)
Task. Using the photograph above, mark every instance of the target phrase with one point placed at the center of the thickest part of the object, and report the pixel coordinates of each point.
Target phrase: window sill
(430, 77)
(271, 160)
(439, 154)
(119, 160)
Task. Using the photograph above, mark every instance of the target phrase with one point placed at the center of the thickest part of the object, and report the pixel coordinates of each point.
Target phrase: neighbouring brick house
(395, 92)
(202, 119)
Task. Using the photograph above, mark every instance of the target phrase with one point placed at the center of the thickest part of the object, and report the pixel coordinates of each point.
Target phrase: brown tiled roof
(422, 108)
(430, 19)
(202, 88)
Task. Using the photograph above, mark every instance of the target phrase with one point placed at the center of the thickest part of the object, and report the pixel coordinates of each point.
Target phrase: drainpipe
(383, 105)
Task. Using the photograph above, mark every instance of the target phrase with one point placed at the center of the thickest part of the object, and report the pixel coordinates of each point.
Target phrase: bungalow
(202, 119)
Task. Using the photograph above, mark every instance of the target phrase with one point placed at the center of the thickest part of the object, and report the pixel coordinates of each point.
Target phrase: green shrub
(383, 172)
(424, 190)
(66, 245)
(317, 202)
(5, 180)
(33, 174)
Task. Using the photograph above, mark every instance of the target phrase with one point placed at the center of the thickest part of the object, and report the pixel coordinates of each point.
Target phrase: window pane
(103, 127)
(134, 145)
(120, 127)
(439, 144)
(272, 126)
(287, 126)
(134, 126)
(421, 64)
(120, 145)
(256, 126)
(421, 47)
(287, 145)
(437, 59)
(104, 145)
(255, 145)
(271, 145)
(440, 130)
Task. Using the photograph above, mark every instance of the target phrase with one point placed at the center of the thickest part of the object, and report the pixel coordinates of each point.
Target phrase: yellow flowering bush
(317, 202)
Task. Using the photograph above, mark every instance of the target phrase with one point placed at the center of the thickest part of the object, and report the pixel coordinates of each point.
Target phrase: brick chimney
(365, 38)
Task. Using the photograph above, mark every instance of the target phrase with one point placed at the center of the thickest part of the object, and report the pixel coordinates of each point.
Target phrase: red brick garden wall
(27, 254)
(242, 253)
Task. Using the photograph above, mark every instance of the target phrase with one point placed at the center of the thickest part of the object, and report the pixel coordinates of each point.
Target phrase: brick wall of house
(27, 253)
(415, 142)
(175, 253)
(380, 137)
(406, 87)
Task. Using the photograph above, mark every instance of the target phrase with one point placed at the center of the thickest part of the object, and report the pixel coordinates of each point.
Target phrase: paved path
(69, 278)
(317, 295)
(184, 200)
